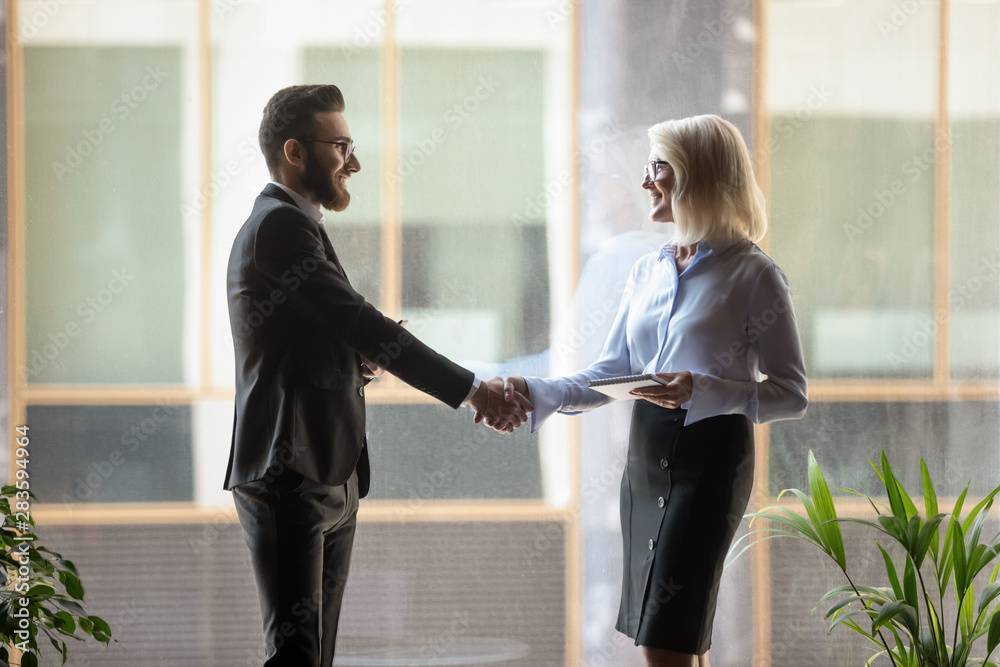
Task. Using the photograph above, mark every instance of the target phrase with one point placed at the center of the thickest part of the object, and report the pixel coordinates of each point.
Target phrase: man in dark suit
(306, 344)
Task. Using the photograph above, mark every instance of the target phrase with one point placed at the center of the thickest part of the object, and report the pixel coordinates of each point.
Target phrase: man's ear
(295, 153)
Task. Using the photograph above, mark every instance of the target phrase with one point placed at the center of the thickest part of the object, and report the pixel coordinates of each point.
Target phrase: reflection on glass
(471, 156)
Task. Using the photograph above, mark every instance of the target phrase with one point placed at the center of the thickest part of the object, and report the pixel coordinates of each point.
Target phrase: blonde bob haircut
(715, 195)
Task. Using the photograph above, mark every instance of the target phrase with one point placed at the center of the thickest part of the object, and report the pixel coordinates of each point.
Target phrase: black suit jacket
(298, 327)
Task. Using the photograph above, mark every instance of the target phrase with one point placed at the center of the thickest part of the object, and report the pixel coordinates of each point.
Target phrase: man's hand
(369, 369)
(503, 414)
(514, 385)
(671, 395)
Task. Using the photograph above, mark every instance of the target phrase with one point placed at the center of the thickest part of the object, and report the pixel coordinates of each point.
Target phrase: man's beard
(316, 179)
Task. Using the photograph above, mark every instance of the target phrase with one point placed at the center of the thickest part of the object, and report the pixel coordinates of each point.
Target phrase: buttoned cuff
(472, 392)
(546, 395)
(711, 396)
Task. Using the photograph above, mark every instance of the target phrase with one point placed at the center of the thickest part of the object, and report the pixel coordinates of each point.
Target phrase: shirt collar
(307, 206)
(716, 246)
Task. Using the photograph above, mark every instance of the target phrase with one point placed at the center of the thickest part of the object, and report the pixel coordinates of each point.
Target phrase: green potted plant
(935, 551)
(42, 592)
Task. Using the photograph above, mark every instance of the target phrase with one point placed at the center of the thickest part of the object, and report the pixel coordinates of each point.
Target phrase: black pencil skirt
(683, 495)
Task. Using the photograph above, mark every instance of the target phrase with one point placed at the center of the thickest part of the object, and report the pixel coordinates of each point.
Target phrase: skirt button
(651, 545)
(659, 501)
(664, 463)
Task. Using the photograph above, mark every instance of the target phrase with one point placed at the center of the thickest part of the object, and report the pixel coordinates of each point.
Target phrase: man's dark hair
(291, 113)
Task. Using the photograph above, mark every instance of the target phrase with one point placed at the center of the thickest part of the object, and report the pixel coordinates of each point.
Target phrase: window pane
(974, 106)
(471, 157)
(474, 593)
(120, 453)
(106, 270)
(479, 109)
(339, 44)
(800, 575)
(956, 439)
(852, 183)
(356, 232)
(422, 452)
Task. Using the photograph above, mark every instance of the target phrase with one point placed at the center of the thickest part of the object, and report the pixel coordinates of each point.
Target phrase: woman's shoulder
(752, 257)
(755, 268)
(648, 260)
(760, 270)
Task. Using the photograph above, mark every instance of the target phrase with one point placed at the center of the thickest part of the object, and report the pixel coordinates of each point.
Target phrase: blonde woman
(711, 314)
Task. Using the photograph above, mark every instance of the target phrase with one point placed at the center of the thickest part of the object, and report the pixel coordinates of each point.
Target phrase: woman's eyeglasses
(653, 168)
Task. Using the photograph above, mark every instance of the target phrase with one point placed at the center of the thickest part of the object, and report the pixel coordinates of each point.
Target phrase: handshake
(503, 403)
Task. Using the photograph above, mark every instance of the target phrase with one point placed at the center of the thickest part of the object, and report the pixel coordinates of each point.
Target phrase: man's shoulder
(267, 203)
(269, 209)
(271, 223)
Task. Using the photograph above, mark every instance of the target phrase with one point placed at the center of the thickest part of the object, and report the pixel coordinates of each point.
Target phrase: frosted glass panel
(106, 266)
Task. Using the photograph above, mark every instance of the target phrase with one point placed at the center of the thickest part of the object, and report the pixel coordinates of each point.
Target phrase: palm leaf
(930, 507)
(994, 634)
(936, 644)
(928, 539)
(966, 613)
(974, 513)
(890, 569)
(902, 611)
(910, 585)
(959, 558)
(891, 490)
(826, 512)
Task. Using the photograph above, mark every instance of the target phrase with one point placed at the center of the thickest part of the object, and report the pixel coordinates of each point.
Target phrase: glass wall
(498, 209)
(109, 267)
(883, 153)
(140, 164)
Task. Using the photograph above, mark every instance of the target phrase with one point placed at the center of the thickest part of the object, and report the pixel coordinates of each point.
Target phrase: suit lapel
(272, 190)
(328, 248)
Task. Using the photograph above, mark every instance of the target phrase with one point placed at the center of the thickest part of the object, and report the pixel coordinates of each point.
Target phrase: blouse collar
(717, 246)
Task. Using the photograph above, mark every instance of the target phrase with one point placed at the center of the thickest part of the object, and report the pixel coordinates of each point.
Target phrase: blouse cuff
(711, 396)
(546, 395)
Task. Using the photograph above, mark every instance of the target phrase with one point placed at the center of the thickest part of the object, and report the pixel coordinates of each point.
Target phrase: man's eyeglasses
(653, 168)
(346, 147)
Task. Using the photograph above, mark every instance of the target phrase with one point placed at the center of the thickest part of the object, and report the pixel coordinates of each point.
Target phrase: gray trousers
(300, 534)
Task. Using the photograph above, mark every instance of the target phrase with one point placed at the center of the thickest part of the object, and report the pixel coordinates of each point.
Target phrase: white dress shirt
(317, 216)
(727, 318)
(307, 206)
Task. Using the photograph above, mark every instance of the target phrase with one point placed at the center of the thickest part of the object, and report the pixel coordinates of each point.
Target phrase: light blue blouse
(727, 318)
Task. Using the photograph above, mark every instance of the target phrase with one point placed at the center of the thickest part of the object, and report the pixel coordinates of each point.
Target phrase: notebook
(619, 387)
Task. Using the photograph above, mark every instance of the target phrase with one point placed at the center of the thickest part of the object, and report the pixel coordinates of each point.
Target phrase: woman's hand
(511, 385)
(671, 395)
(515, 383)
(514, 392)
